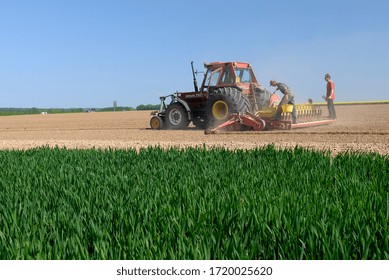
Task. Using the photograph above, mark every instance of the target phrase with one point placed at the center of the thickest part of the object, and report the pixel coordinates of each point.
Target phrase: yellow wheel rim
(220, 110)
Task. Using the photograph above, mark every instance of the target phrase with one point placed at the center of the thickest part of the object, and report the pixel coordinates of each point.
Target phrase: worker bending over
(288, 98)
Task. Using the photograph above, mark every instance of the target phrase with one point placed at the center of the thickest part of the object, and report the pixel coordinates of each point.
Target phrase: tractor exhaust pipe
(196, 88)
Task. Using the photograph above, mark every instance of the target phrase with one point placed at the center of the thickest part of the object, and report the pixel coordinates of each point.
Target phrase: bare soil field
(358, 128)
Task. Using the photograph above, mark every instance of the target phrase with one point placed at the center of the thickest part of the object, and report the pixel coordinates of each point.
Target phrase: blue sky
(87, 53)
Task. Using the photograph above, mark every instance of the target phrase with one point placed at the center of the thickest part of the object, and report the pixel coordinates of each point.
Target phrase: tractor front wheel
(156, 122)
(176, 117)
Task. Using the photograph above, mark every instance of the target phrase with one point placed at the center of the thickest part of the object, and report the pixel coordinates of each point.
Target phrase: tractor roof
(215, 65)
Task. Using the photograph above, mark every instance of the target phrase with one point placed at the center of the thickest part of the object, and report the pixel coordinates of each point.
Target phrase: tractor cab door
(212, 79)
(228, 77)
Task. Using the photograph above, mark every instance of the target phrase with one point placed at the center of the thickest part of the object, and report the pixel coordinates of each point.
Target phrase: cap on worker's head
(273, 82)
(327, 76)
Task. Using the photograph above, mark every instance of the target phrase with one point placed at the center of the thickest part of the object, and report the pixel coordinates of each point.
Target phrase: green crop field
(193, 204)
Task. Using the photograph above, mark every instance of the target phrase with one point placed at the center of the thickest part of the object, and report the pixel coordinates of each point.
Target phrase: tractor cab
(227, 74)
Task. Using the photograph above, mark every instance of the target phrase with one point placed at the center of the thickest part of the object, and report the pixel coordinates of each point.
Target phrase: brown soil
(358, 128)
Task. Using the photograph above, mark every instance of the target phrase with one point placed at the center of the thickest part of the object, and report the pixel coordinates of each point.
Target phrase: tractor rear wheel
(176, 117)
(224, 102)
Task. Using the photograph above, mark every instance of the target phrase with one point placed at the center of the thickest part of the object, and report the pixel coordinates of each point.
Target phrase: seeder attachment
(250, 122)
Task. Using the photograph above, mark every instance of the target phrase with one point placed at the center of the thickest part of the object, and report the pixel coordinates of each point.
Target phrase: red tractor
(227, 88)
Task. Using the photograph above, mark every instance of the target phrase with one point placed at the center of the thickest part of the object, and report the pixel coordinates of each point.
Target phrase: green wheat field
(196, 203)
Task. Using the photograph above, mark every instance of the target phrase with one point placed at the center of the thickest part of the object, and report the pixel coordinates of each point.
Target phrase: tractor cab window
(243, 75)
(213, 77)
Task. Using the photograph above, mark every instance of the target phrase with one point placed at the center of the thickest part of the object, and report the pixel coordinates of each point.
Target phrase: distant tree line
(34, 110)
(112, 109)
(147, 107)
(138, 108)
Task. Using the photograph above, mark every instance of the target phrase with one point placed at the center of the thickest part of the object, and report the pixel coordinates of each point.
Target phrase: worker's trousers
(331, 109)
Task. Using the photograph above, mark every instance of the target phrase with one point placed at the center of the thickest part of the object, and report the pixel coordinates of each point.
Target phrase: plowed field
(358, 128)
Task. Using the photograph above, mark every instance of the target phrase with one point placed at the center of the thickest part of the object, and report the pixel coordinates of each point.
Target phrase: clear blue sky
(87, 53)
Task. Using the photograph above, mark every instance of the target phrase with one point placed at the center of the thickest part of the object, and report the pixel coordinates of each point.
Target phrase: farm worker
(330, 96)
(288, 98)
